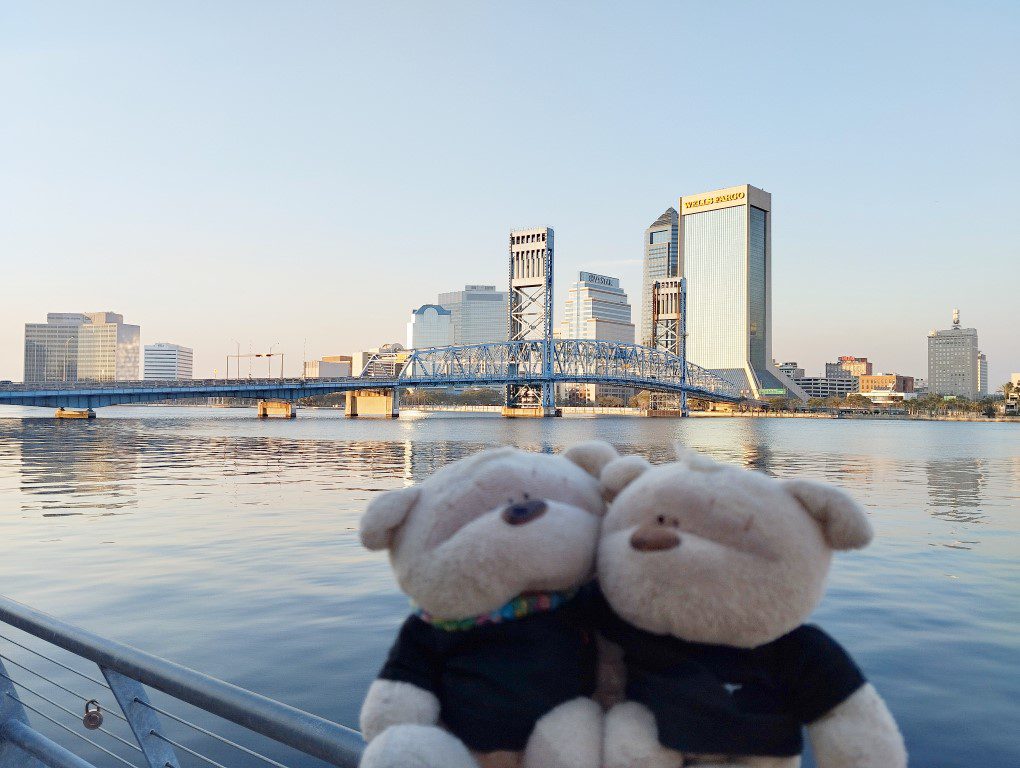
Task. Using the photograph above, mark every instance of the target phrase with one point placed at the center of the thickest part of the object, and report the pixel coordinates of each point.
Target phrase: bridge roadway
(519, 362)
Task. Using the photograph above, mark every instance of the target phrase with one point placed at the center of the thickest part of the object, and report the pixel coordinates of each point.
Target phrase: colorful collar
(518, 608)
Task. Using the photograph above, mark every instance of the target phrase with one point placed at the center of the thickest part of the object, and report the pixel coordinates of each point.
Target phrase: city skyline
(268, 220)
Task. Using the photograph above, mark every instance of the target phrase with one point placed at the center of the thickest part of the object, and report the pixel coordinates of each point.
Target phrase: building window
(659, 236)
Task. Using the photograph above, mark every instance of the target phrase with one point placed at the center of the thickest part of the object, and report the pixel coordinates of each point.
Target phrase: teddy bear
(707, 573)
(494, 667)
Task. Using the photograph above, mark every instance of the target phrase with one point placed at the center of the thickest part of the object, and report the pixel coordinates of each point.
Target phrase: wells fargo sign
(701, 202)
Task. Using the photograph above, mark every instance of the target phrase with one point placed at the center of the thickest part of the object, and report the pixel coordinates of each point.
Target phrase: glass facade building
(477, 314)
(661, 260)
(725, 243)
(91, 346)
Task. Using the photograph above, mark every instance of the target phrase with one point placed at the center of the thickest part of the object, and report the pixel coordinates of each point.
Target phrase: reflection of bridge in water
(534, 363)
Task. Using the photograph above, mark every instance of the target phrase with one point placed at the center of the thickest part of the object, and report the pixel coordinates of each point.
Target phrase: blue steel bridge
(526, 363)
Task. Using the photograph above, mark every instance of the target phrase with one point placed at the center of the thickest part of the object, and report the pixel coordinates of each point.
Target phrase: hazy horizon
(304, 175)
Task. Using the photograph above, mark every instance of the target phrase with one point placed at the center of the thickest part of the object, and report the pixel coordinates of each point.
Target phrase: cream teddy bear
(495, 666)
(708, 572)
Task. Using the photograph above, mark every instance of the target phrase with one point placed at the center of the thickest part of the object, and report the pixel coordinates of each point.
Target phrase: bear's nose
(653, 538)
(524, 511)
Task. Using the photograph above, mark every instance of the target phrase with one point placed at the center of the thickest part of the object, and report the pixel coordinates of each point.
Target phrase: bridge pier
(75, 413)
(279, 409)
(372, 402)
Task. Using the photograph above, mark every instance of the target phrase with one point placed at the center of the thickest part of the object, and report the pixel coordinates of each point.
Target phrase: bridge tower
(530, 315)
(669, 333)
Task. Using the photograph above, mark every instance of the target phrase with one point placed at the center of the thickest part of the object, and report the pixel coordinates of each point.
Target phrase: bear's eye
(661, 519)
(675, 522)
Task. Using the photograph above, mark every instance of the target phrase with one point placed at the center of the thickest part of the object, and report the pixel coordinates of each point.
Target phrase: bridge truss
(536, 363)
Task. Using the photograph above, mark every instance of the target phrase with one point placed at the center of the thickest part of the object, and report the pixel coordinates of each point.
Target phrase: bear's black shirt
(495, 681)
(737, 701)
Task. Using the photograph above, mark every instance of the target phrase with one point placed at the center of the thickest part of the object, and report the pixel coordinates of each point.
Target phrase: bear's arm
(847, 722)
(858, 733)
(406, 689)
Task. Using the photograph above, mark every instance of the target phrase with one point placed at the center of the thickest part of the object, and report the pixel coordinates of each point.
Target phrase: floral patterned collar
(521, 606)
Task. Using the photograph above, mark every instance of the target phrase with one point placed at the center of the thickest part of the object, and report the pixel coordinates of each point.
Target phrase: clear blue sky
(291, 171)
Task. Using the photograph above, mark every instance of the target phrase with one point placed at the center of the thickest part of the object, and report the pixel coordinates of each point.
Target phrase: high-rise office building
(477, 314)
(661, 262)
(429, 326)
(953, 361)
(168, 361)
(597, 308)
(982, 375)
(89, 346)
(725, 239)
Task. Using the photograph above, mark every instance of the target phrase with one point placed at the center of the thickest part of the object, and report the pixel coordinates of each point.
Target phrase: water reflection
(71, 467)
(954, 489)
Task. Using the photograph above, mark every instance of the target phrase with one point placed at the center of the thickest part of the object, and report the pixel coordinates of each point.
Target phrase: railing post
(144, 721)
(11, 755)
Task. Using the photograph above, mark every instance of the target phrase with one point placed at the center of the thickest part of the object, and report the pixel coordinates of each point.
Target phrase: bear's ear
(620, 473)
(384, 515)
(691, 459)
(843, 520)
(591, 456)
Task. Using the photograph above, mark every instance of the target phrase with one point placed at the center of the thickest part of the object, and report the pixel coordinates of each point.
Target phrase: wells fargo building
(725, 243)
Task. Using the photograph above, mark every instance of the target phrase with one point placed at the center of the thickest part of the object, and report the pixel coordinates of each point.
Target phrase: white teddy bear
(495, 666)
(708, 572)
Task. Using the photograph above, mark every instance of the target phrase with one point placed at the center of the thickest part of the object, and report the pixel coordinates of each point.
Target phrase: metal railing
(144, 738)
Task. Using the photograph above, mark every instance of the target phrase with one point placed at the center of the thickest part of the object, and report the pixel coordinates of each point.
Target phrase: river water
(230, 544)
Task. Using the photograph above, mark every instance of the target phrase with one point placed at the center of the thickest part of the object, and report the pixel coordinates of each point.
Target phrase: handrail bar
(308, 733)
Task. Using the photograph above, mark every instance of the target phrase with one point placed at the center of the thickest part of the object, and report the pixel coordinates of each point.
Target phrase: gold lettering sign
(714, 200)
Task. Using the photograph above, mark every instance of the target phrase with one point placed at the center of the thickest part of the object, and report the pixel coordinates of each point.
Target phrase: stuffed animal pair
(705, 575)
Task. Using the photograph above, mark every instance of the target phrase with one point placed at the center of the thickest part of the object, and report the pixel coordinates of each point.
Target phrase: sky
(299, 175)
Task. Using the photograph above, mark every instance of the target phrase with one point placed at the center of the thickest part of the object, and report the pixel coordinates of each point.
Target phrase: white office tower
(477, 314)
(597, 308)
(726, 256)
(982, 375)
(81, 346)
(954, 366)
(168, 361)
(429, 326)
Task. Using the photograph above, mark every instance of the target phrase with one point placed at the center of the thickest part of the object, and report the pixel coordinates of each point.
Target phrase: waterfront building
(429, 326)
(823, 386)
(168, 361)
(81, 346)
(597, 308)
(892, 382)
(329, 367)
(889, 396)
(661, 262)
(725, 240)
(921, 386)
(848, 366)
(982, 375)
(953, 361)
(477, 314)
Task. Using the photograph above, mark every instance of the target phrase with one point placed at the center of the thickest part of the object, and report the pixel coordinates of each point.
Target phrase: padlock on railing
(93, 717)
